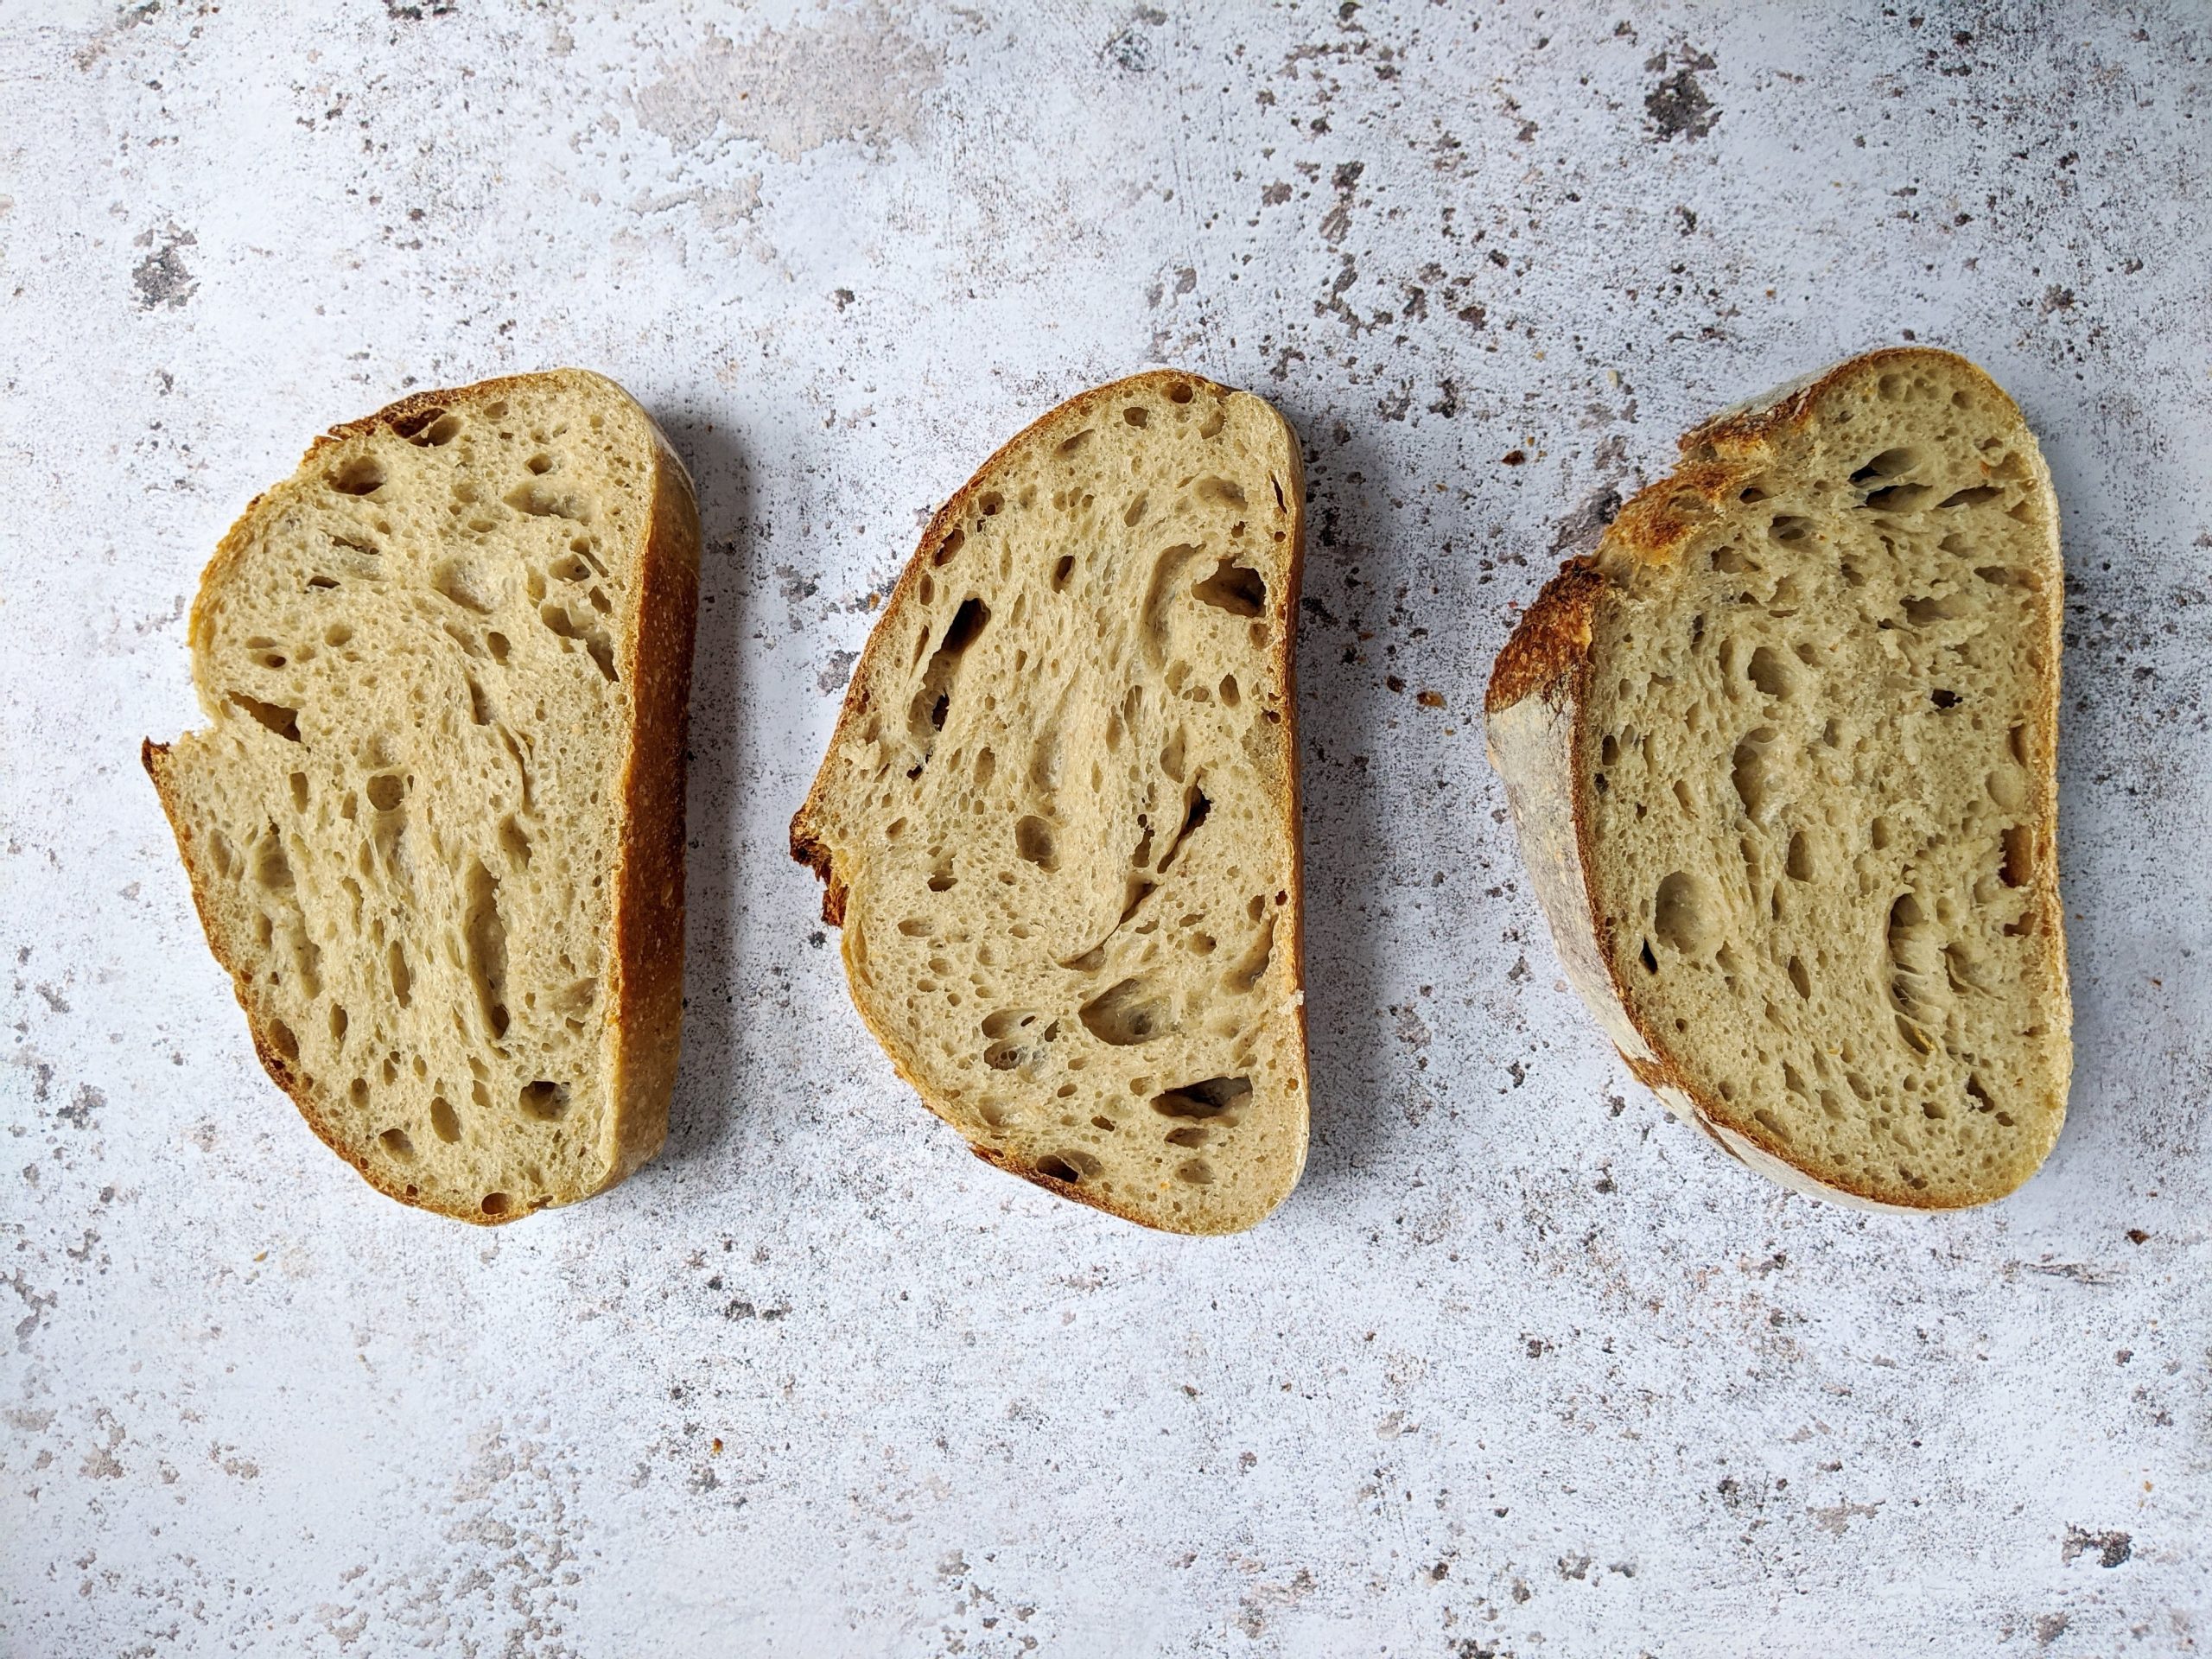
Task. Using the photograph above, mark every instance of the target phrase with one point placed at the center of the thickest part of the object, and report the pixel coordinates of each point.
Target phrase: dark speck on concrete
(1131, 49)
(161, 276)
(1678, 105)
(2110, 1549)
(86, 1101)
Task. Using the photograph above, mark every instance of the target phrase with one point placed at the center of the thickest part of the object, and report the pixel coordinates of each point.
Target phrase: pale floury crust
(551, 613)
(1100, 986)
(1553, 696)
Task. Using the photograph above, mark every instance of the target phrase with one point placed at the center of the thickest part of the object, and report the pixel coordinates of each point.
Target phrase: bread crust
(809, 847)
(1536, 706)
(645, 975)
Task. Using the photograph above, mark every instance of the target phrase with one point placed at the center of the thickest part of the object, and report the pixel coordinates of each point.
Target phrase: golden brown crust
(1549, 647)
(647, 988)
(647, 970)
(808, 846)
(1547, 655)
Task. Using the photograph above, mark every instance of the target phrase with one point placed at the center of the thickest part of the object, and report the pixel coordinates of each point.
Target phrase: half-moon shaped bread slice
(435, 827)
(1058, 817)
(1781, 754)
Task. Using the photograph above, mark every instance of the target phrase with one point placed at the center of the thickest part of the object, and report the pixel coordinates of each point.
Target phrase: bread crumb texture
(406, 824)
(1814, 768)
(1058, 819)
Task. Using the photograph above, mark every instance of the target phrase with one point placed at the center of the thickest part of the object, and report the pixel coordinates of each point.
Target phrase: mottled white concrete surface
(1524, 1368)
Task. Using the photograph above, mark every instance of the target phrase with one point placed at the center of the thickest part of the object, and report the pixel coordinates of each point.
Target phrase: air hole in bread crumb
(1769, 672)
(1978, 495)
(1890, 463)
(284, 721)
(484, 939)
(1058, 1168)
(397, 1145)
(445, 1122)
(1033, 840)
(1680, 914)
(1233, 588)
(1179, 392)
(1246, 973)
(545, 1101)
(1126, 1015)
(1750, 771)
(2019, 866)
(1196, 1171)
(1136, 415)
(386, 790)
(496, 1204)
(1062, 570)
(1206, 1099)
(362, 476)
(1800, 861)
(540, 463)
(1897, 498)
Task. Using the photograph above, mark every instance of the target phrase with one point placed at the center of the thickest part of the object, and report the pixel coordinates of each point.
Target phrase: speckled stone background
(1524, 1368)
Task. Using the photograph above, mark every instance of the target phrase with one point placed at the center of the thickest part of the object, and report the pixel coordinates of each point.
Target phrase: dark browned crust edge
(647, 978)
(808, 848)
(647, 992)
(1548, 654)
(1551, 642)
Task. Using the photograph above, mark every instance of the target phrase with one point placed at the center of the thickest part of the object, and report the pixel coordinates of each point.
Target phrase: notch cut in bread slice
(1781, 754)
(435, 827)
(1059, 818)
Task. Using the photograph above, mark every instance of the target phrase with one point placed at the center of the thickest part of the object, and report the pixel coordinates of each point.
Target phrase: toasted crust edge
(808, 846)
(1535, 709)
(645, 1027)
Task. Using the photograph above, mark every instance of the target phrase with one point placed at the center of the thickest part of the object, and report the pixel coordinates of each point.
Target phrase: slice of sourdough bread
(1782, 756)
(1059, 818)
(435, 828)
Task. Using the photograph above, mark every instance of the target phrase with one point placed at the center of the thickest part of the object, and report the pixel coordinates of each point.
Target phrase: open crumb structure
(1058, 819)
(434, 828)
(1782, 757)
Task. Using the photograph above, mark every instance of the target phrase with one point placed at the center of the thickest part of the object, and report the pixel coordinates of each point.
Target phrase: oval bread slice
(434, 828)
(1782, 757)
(1059, 818)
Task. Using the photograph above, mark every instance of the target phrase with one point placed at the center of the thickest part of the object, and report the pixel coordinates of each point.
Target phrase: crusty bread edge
(644, 1032)
(811, 849)
(1535, 704)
